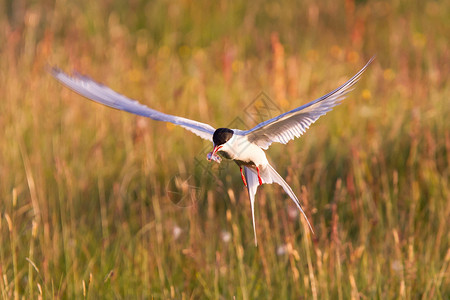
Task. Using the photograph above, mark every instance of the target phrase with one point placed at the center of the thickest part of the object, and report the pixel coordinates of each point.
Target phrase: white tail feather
(278, 179)
(268, 176)
(252, 185)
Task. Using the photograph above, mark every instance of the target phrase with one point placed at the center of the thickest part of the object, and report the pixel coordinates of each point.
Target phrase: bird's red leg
(259, 176)
(243, 177)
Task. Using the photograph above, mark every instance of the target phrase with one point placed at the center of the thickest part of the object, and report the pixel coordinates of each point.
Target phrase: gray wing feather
(294, 123)
(100, 93)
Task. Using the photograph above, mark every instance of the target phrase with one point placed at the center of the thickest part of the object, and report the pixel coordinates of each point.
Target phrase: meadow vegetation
(97, 203)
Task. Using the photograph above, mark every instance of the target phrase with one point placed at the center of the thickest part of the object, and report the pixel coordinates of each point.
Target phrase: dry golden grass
(86, 208)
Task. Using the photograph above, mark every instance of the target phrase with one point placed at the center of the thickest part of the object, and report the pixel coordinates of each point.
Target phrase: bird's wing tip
(53, 70)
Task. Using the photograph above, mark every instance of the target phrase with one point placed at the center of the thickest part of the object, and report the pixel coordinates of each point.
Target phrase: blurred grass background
(91, 205)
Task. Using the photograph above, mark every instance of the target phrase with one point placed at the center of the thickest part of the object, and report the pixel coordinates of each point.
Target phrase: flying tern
(245, 147)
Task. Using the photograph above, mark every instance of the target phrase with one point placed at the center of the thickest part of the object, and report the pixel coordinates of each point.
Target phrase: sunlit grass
(88, 208)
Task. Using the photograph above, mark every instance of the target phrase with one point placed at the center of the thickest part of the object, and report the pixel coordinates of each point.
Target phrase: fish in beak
(213, 156)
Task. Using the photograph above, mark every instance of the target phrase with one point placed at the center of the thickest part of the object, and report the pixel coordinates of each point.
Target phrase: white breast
(239, 148)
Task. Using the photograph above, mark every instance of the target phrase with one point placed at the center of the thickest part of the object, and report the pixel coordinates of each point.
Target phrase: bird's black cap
(222, 135)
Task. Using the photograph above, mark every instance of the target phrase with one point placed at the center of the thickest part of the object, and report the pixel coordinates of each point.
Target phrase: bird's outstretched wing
(294, 123)
(100, 93)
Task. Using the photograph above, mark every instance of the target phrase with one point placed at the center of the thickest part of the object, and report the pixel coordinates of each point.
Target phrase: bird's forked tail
(268, 176)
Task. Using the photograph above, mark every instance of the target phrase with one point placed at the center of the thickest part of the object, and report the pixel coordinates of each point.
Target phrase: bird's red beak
(216, 149)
